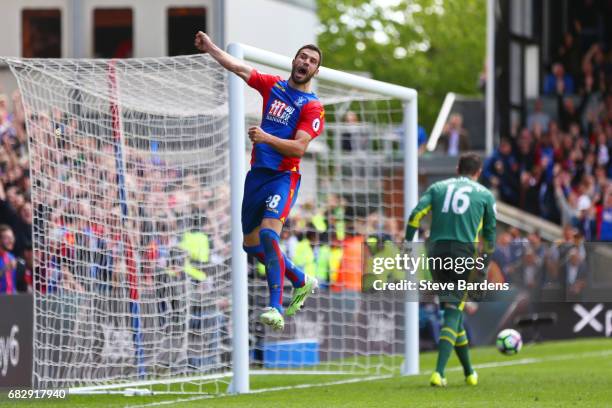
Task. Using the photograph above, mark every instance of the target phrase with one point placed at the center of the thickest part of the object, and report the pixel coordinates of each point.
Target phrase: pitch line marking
(496, 364)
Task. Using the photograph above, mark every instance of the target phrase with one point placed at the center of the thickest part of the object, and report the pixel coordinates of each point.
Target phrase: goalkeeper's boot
(301, 294)
(272, 317)
(472, 379)
(436, 380)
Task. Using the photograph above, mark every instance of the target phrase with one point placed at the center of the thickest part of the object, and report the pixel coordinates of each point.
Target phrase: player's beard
(302, 81)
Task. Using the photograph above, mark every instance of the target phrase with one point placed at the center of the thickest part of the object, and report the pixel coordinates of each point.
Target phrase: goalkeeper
(460, 208)
(291, 117)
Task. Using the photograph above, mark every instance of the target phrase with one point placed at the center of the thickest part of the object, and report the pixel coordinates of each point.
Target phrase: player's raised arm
(232, 64)
(422, 208)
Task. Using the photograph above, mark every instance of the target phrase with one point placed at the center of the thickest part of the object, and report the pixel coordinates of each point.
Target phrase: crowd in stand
(528, 263)
(81, 229)
(559, 164)
(15, 201)
(174, 225)
(328, 241)
(86, 239)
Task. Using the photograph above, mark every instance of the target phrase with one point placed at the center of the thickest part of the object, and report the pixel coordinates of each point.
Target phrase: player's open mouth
(302, 71)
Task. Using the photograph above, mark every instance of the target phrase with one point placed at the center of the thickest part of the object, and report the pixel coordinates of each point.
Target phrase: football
(509, 341)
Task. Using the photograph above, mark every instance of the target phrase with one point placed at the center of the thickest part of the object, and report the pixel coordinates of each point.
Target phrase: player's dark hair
(311, 47)
(469, 164)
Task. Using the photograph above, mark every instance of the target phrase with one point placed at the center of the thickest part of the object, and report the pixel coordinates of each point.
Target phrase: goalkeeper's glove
(407, 247)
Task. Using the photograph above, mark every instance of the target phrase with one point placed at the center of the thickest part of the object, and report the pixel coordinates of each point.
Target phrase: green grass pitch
(554, 374)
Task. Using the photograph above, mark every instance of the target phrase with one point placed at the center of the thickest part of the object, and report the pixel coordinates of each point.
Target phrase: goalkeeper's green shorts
(445, 251)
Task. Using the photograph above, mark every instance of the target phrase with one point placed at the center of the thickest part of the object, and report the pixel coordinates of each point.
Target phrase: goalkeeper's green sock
(448, 336)
(462, 349)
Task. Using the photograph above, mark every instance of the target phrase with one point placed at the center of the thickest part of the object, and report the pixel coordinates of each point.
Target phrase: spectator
(322, 255)
(500, 172)
(304, 257)
(430, 324)
(8, 262)
(518, 244)
(602, 149)
(503, 256)
(350, 270)
(558, 81)
(604, 217)
(421, 137)
(545, 154)
(196, 245)
(574, 271)
(587, 20)
(525, 151)
(566, 109)
(353, 137)
(538, 249)
(601, 181)
(454, 138)
(548, 202)
(559, 255)
(570, 55)
(335, 214)
(538, 117)
(289, 240)
(588, 79)
(534, 261)
(532, 182)
(5, 116)
(567, 201)
(17, 213)
(25, 267)
(585, 193)
(398, 134)
(23, 229)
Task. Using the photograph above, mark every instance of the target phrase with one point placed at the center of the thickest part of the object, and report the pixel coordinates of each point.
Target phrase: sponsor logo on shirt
(280, 112)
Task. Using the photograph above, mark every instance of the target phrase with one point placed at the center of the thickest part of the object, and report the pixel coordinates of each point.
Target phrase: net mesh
(129, 165)
(349, 209)
(130, 188)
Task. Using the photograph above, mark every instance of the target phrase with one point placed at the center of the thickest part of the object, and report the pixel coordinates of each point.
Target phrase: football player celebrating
(291, 117)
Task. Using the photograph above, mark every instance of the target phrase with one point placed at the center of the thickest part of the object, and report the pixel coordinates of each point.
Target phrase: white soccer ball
(509, 341)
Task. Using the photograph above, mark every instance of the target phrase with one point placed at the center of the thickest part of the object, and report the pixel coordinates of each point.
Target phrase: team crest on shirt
(280, 112)
(300, 101)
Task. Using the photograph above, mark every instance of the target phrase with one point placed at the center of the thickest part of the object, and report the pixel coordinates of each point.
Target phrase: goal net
(130, 171)
(349, 208)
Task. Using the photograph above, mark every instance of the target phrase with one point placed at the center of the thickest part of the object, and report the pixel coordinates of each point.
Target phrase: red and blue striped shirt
(285, 111)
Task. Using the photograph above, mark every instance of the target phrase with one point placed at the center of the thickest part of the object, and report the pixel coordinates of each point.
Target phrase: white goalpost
(141, 284)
